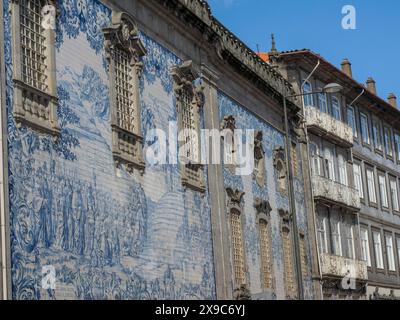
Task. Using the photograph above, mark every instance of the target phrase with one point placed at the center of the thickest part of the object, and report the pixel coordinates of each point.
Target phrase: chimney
(346, 67)
(392, 99)
(371, 85)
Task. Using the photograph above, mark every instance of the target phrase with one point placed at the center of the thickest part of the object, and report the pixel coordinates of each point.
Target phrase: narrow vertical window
(397, 142)
(316, 159)
(351, 253)
(330, 164)
(395, 195)
(322, 101)
(288, 256)
(308, 97)
(378, 250)
(189, 99)
(288, 264)
(295, 160)
(364, 129)
(343, 170)
(337, 239)
(390, 253)
(351, 120)
(124, 51)
(265, 250)
(383, 191)
(371, 186)
(322, 234)
(398, 250)
(376, 128)
(336, 108)
(35, 89)
(237, 247)
(358, 180)
(366, 256)
(388, 142)
(303, 256)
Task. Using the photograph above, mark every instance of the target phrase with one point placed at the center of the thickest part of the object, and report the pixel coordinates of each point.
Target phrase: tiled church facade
(113, 232)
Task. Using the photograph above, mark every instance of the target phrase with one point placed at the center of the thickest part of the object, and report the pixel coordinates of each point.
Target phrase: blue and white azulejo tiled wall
(107, 234)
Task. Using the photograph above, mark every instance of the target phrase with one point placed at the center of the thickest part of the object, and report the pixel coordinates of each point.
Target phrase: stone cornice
(197, 14)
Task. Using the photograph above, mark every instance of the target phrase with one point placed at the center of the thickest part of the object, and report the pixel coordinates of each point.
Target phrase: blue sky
(373, 48)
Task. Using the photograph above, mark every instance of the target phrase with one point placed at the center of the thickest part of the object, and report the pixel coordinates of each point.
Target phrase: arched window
(230, 144)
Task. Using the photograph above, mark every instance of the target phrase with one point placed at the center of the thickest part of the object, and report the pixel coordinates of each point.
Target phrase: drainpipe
(292, 203)
(5, 286)
(313, 207)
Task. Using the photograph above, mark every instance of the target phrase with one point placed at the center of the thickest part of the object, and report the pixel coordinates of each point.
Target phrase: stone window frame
(228, 127)
(259, 159)
(281, 169)
(127, 145)
(235, 205)
(185, 77)
(33, 107)
(286, 220)
(263, 210)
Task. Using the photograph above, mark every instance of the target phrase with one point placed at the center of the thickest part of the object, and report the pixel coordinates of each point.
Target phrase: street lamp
(331, 88)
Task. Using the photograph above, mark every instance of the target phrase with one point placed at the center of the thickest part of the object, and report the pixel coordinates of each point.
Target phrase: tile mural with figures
(107, 234)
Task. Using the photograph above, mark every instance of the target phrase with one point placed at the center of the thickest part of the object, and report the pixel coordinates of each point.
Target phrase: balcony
(339, 267)
(324, 125)
(335, 193)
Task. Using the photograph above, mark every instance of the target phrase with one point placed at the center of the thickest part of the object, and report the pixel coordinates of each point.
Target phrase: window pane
(308, 98)
(388, 142)
(365, 247)
(336, 108)
(390, 253)
(33, 59)
(351, 120)
(397, 141)
(364, 128)
(377, 136)
(322, 102)
(343, 170)
(358, 180)
(378, 250)
(237, 247)
(383, 191)
(371, 186)
(395, 195)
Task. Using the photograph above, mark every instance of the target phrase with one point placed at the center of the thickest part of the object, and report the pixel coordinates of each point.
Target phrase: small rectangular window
(237, 248)
(364, 128)
(322, 234)
(398, 250)
(351, 252)
(378, 250)
(343, 170)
